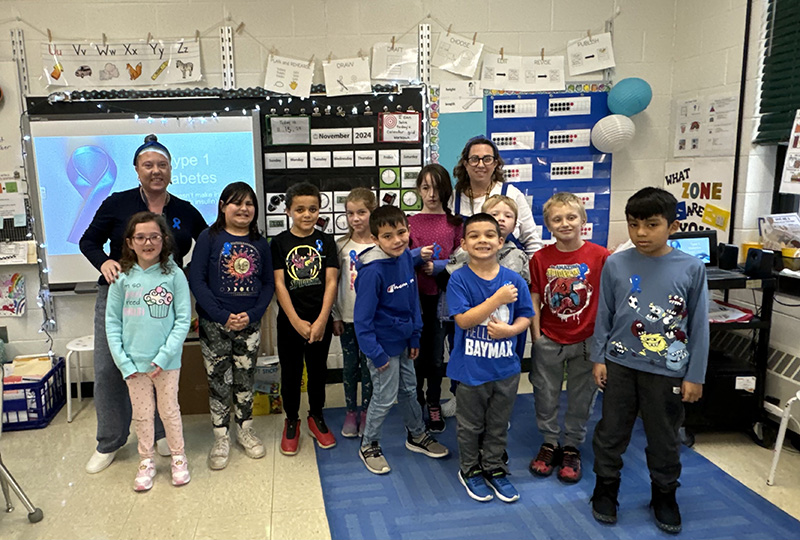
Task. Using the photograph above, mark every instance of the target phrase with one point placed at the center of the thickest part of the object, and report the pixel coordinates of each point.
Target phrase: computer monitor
(700, 244)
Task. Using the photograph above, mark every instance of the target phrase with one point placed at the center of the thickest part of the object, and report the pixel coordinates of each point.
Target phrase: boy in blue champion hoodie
(388, 326)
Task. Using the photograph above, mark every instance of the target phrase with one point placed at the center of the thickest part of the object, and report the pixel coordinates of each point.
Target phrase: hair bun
(151, 138)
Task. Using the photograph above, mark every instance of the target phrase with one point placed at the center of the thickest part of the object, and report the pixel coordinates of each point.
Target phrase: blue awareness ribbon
(353, 256)
(176, 223)
(583, 268)
(226, 248)
(636, 280)
(92, 172)
(319, 245)
(437, 251)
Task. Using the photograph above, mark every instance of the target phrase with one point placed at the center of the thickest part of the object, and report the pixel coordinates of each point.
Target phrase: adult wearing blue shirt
(152, 162)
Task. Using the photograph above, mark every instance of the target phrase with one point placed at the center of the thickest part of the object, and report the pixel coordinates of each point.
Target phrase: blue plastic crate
(38, 403)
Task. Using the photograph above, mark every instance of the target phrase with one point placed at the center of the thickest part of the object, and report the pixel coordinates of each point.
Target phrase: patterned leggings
(230, 360)
(143, 404)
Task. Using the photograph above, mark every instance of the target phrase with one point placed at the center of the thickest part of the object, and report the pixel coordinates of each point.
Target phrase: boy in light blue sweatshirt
(147, 318)
(388, 326)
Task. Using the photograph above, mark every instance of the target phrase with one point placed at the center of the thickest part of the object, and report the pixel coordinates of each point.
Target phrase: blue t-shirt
(476, 358)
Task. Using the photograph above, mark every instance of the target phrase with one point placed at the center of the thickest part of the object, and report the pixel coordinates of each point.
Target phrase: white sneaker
(99, 461)
(220, 452)
(162, 447)
(449, 408)
(245, 436)
(144, 475)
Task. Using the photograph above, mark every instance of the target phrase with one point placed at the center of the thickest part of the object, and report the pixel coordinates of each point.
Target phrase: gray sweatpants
(484, 410)
(547, 375)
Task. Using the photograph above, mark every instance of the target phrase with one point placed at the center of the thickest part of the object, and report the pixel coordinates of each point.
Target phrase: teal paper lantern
(629, 96)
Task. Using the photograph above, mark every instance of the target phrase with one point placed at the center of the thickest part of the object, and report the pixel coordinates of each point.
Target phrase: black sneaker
(604, 500)
(665, 508)
(548, 458)
(436, 424)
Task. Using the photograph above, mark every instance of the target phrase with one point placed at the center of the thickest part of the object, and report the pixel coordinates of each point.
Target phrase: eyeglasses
(474, 160)
(141, 239)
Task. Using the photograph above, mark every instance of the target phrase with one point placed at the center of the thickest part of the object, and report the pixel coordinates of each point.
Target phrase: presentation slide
(696, 247)
(79, 163)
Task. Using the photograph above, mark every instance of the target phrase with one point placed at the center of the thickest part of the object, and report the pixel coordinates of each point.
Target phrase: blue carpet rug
(422, 497)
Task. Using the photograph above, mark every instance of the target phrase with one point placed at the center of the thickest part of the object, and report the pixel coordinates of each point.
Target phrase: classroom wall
(680, 47)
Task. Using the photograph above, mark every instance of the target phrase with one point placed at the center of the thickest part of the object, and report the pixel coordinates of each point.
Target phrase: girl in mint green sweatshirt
(147, 319)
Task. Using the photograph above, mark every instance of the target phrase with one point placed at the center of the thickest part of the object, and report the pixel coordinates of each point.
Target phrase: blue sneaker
(502, 487)
(475, 486)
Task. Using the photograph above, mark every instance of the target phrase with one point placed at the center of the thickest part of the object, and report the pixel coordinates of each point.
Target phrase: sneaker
(162, 447)
(475, 485)
(350, 426)
(144, 475)
(665, 508)
(548, 458)
(502, 487)
(291, 437)
(449, 408)
(220, 453)
(425, 444)
(604, 500)
(373, 459)
(570, 469)
(324, 437)
(180, 471)
(99, 461)
(245, 436)
(436, 424)
(362, 423)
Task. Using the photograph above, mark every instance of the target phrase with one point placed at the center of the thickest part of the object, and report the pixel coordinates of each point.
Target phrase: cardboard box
(193, 386)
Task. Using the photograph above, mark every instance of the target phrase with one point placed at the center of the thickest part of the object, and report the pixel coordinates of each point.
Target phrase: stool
(787, 413)
(78, 345)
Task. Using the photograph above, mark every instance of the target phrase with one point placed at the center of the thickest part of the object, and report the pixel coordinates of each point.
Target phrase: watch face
(410, 198)
(388, 176)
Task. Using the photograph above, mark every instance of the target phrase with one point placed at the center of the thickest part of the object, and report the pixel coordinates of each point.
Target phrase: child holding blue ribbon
(231, 278)
(438, 233)
(359, 205)
(565, 284)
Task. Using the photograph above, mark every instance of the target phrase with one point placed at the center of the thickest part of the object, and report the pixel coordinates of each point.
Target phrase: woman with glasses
(152, 162)
(479, 174)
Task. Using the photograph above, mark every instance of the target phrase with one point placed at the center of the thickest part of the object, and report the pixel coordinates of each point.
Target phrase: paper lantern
(629, 96)
(612, 133)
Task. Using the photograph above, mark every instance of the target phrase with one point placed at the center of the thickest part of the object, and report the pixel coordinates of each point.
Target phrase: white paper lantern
(612, 133)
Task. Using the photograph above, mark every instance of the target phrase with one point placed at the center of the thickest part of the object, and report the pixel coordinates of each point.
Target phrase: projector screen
(79, 163)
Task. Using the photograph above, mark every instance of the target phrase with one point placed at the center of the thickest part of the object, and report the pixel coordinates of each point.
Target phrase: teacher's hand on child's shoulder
(110, 270)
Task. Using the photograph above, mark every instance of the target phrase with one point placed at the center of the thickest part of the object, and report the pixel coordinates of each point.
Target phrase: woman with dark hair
(152, 162)
(232, 279)
(479, 174)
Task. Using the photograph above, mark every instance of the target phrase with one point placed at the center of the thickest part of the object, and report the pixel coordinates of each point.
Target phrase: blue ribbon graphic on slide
(92, 172)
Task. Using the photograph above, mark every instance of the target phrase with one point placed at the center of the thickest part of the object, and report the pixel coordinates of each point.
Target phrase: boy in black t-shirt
(306, 277)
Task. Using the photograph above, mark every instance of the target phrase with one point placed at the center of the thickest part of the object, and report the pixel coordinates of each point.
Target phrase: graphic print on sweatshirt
(158, 301)
(568, 291)
(658, 330)
(239, 263)
(303, 264)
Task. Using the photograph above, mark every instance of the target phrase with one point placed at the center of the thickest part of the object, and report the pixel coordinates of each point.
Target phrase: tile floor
(276, 497)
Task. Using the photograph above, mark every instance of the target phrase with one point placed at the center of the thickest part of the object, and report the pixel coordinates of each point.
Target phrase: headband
(152, 146)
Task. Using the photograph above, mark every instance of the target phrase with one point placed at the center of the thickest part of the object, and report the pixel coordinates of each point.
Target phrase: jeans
(629, 391)
(111, 398)
(397, 382)
(355, 370)
(547, 375)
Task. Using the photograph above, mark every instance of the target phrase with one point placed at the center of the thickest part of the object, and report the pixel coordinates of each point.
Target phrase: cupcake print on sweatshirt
(158, 300)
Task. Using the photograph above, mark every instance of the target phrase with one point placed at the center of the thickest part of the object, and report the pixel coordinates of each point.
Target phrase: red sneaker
(320, 431)
(547, 458)
(570, 469)
(291, 437)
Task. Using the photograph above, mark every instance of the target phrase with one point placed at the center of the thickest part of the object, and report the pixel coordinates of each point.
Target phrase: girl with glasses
(479, 175)
(147, 319)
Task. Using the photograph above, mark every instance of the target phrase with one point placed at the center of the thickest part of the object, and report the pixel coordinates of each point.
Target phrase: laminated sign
(399, 127)
(289, 76)
(347, 76)
(457, 54)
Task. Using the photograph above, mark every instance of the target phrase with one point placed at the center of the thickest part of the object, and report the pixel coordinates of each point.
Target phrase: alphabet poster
(347, 76)
(139, 63)
(704, 190)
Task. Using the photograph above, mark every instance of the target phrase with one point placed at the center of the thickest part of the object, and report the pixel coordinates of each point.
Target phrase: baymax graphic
(568, 292)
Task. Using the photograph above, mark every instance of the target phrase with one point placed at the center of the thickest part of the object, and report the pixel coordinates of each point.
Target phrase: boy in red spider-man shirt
(565, 284)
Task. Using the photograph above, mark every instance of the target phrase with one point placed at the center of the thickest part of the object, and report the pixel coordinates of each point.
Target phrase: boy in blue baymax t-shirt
(491, 306)
(388, 326)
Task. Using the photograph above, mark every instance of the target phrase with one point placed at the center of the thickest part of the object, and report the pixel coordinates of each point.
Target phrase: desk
(723, 406)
